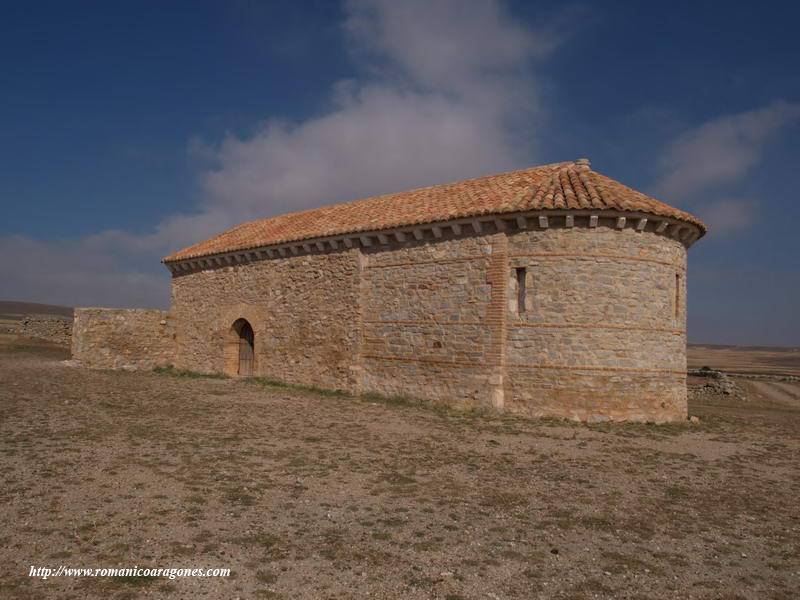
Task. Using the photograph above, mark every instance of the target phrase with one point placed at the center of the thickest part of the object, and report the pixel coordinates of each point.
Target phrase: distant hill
(14, 311)
(733, 347)
(783, 360)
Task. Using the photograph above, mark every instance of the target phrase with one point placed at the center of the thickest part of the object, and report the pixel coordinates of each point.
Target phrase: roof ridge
(572, 185)
(403, 192)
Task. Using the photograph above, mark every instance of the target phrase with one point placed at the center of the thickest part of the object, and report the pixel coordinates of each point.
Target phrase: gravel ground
(308, 495)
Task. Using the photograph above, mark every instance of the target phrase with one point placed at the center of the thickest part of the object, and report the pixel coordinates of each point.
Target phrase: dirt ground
(307, 495)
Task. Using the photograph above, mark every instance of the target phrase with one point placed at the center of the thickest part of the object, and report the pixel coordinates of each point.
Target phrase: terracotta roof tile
(559, 186)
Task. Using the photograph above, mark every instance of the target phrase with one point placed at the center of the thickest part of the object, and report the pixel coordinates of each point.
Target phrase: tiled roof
(559, 186)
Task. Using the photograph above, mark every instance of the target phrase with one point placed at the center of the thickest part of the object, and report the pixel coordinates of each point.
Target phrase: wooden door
(246, 350)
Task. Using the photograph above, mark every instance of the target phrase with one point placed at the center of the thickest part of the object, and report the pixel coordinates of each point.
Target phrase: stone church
(550, 291)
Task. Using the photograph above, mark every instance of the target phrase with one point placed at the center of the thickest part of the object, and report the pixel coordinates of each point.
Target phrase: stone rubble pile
(718, 382)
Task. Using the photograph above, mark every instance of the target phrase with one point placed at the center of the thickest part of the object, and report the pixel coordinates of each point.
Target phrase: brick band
(442, 361)
(595, 368)
(448, 323)
(595, 255)
(431, 262)
(523, 324)
(597, 326)
(465, 363)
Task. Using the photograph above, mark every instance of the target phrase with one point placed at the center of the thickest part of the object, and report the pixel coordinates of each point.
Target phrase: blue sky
(131, 129)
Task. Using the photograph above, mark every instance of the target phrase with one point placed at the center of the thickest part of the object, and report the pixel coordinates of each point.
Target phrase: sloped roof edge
(557, 186)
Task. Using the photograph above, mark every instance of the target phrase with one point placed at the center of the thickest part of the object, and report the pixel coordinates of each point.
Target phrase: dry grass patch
(304, 494)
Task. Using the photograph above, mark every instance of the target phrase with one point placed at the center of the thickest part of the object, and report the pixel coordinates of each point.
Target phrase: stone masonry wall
(601, 334)
(304, 311)
(111, 338)
(50, 328)
(601, 337)
(425, 307)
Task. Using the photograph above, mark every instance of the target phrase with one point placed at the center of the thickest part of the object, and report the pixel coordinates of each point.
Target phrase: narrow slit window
(677, 302)
(521, 272)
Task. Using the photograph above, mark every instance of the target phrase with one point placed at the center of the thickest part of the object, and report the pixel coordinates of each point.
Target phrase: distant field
(13, 311)
(8, 325)
(748, 359)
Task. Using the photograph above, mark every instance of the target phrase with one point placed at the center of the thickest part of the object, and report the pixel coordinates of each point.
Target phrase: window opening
(521, 291)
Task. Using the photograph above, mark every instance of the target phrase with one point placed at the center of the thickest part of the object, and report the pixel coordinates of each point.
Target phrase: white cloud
(382, 140)
(446, 95)
(728, 215)
(719, 151)
(85, 272)
(448, 46)
(436, 107)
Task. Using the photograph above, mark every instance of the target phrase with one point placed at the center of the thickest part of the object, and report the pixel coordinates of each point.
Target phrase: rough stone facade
(577, 313)
(600, 337)
(604, 333)
(130, 339)
(304, 312)
(46, 327)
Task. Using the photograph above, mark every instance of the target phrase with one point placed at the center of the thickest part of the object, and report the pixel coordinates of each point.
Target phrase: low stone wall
(130, 339)
(47, 327)
(718, 381)
(769, 377)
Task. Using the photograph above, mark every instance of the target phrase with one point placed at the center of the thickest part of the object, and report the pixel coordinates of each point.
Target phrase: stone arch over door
(240, 349)
(242, 332)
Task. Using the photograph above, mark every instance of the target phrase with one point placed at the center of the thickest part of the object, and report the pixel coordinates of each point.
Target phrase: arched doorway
(240, 351)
